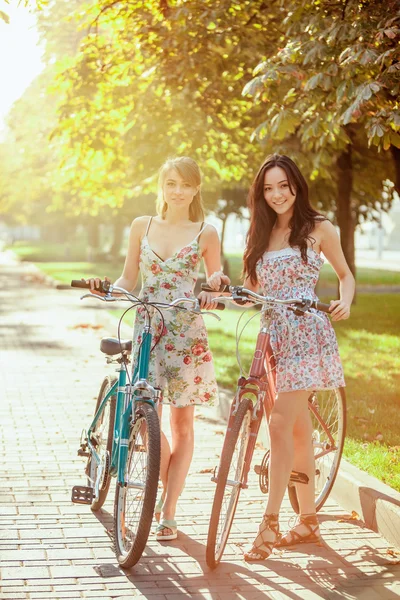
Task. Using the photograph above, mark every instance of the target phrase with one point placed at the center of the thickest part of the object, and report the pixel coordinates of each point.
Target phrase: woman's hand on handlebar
(95, 285)
(339, 310)
(206, 300)
(217, 279)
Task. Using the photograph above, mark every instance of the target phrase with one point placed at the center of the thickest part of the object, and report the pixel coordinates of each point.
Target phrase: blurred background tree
(127, 85)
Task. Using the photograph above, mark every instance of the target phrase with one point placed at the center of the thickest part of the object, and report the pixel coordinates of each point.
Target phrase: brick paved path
(52, 549)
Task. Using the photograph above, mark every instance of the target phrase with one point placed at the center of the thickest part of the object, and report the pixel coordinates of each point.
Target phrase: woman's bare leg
(165, 455)
(304, 462)
(181, 456)
(287, 408)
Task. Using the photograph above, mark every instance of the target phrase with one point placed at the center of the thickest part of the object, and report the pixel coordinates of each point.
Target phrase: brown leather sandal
(293, 537)
(264, 549)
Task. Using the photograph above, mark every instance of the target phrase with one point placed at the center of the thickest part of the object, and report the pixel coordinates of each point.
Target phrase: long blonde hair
(189, 170)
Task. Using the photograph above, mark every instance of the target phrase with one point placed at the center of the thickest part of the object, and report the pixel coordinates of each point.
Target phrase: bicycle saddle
(111, 346)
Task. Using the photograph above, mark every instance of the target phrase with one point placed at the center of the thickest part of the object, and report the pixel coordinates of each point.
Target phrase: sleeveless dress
(181, 363)
(307, 356)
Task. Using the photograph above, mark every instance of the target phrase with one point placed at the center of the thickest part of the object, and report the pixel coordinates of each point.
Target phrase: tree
(133, 99)
(332, 89)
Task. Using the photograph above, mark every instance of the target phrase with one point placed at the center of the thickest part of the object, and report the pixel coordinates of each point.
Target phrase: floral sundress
(305, 348)
(181, 363)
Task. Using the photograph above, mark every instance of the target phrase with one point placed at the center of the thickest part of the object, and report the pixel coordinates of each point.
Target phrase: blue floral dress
(305, 348)
(181, 363)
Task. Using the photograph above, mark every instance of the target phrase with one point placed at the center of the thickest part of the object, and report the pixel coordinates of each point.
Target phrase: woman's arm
(129, 276)
(330, 246)
(211, 252)
(216, 277)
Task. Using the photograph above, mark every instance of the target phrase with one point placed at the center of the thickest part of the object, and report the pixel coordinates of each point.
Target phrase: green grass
(38, 251)
(64, 272)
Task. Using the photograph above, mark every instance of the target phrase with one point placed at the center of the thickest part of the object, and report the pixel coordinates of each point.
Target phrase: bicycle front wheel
(98, 474)
(229, 480)
(135, 500)
(328, 416)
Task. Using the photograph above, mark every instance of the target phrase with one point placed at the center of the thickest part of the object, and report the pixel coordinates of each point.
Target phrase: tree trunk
(224, 220)
(344, 213)
(396, 158)
(224, 261)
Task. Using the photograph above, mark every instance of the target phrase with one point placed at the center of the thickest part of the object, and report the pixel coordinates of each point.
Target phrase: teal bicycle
(123, 439)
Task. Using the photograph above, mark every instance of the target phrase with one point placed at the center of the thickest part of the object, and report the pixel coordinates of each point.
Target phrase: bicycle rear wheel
(330, 405)
(98, 475)
(229, 481)
(134, 502)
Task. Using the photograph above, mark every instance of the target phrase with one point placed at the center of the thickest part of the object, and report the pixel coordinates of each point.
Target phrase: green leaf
(284, 123)
(395, 139)
(252, 87)
(4, 17)
(341, 90)
(314, 82)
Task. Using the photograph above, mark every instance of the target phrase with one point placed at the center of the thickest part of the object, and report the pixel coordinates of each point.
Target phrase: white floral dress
(181, 363)
(307, 356)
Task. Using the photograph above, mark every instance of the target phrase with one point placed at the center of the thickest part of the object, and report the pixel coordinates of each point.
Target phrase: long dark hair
(263, 217)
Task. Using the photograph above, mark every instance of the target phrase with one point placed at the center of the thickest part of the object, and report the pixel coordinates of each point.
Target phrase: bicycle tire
(327, 467)
(102, 436)
(218, 531)
(144, 451)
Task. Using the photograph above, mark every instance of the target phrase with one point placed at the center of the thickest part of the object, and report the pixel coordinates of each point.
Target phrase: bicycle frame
(260, 385)
(125, 407)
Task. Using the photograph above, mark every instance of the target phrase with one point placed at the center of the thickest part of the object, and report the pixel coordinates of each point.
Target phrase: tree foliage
(339, 66)
(135, 82)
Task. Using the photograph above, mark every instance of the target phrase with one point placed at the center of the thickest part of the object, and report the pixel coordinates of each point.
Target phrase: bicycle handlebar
(241, 293)
(107, 288)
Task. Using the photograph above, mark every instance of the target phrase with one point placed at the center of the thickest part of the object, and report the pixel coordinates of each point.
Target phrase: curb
(377, 503)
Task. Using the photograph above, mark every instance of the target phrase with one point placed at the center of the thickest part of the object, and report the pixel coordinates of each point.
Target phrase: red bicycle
(254, 397)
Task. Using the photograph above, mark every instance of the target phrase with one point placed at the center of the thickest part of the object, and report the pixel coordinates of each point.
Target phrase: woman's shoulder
(207, 229)
(140, 223)
(324, 226)
(139, 227)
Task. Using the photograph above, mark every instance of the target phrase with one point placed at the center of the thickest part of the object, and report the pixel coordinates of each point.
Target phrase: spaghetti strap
(148, 226)
(202, 228)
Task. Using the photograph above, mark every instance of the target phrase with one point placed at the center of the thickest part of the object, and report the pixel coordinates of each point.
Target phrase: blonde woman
(168, 250)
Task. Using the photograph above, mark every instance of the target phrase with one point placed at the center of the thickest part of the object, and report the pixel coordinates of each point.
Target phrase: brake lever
(206, 312)
(106, 298)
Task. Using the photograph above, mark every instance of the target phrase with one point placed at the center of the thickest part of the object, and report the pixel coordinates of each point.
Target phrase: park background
(96, 95)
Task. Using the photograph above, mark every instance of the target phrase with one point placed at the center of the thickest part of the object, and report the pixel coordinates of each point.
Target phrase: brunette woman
(283, 258)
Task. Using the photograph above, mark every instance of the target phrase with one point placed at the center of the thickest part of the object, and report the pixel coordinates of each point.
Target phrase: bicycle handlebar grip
(206, 288)
(78, 283)
(220, 306)
(322, 307)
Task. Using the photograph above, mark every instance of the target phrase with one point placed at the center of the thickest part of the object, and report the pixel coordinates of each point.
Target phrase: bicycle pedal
(82, 452)
(82, 494)
(297, 477)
